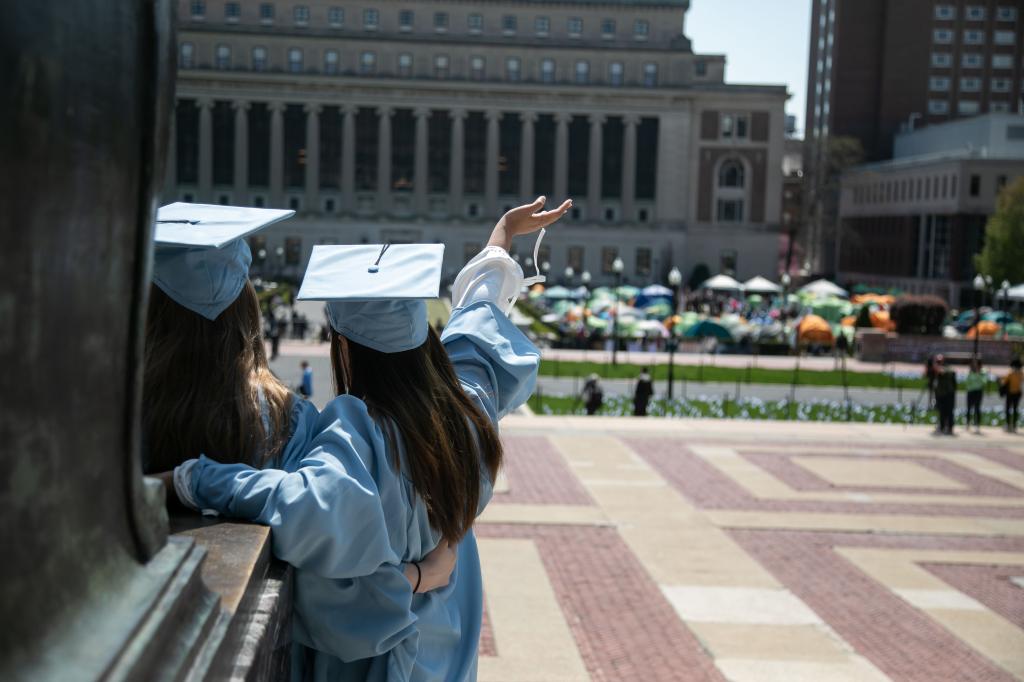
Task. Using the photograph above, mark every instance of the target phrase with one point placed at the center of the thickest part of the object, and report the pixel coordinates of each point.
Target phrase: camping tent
(707, 328)
(656, 291)
(813, 329)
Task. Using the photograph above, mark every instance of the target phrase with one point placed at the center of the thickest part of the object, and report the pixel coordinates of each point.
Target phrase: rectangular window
(197, 9)
(615, 71)
(970, 84)
(1006, 14)
(301, 15)
(582, 72)
(574, 26)
(726, 126)
(643, 262)
(259, 59)
(973, 37)
(440, 21)
(371, 19)
(945, 12)
(607, 28)
(574, 259)
(999, 107)
(641, 29)
(975, 185)
(542, 25)
(405, 19)
(741, 127)
(968, 107)
(1004, 37)
(938, 106)
(972, 60)
(475, 23)
(441, 64)
(1002, 61)
(330, 61)
(186, 55)
(512, 69)
(266, 13)
(477, 68)
(942, 60)
(368, 63)
(1000, 85)
(942, 36)
(547, 71)
(608, 256)
(730, 210)
(700, 68)
(223, 57)
(974, 13)
(650, 74)
(232, 11)
(336, 17)
(938, 83)
(509, 24)
(295, 60)
(405, 64)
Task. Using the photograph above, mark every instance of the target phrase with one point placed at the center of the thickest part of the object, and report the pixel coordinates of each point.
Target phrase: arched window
(730, 174)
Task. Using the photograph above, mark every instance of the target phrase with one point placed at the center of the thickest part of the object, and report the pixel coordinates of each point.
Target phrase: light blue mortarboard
(376, 293)
(201, 259)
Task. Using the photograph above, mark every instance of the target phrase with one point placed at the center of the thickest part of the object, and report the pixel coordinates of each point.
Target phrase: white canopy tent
(722, 283)
(761, 285)
(824, 288)
(1015, 293)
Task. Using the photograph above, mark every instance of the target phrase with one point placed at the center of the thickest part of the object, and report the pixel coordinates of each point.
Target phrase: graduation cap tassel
(537, 278)
(375, 267)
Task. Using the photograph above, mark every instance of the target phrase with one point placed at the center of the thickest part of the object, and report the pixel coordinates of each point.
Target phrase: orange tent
(813, 329)
(880, 320)
(985, 328)
(880, 299)
(848, 321)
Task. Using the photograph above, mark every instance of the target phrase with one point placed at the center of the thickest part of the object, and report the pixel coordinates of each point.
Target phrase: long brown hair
(446, 436)
(201, 386)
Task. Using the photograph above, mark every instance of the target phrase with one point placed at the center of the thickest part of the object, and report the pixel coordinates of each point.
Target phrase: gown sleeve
(323, 505)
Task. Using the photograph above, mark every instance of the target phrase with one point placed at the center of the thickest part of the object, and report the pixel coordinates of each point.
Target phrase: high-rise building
(878, 67)
(397, 121)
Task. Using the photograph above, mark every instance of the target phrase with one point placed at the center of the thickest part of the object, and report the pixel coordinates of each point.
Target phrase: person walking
(974, 384)
(1010, 388)
(945, 395)
(643, 393)
(593, 395)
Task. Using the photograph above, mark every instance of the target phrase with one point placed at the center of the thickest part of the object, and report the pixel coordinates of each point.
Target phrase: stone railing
(880, 346)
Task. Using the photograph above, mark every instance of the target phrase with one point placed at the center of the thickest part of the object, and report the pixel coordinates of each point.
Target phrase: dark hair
(201, 386)
(1015, 363)
(446, 436)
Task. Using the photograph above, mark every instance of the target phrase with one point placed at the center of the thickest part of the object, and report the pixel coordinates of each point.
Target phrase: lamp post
(1004, 289)
(617, 267)
(280, 261)
(979, 291)
(585, 278)
(569, 274)
(544, 267)
(786, 281)
(675, 278)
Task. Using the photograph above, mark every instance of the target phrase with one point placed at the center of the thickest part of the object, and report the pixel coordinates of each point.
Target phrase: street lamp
(786, 281)
(979, 291)
(1004, 289)
(617, 267)
(585, 277)
(569, 273)
(675, 278)
(280, 261)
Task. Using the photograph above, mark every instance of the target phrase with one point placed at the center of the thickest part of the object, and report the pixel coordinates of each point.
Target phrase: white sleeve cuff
(183, 483)
(491, 276)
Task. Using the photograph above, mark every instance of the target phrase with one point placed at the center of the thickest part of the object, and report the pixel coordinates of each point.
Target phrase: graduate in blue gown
(208, 388)
(391, 366)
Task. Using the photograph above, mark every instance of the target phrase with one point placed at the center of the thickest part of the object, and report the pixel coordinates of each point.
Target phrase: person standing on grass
(643, 393)
(593, 395)
(1010, 387)
(945, 395)
(974, 384)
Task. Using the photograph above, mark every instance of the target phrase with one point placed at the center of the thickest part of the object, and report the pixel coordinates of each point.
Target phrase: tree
(824, 163)
(701, 273)
(1002, 257)
(919, 314)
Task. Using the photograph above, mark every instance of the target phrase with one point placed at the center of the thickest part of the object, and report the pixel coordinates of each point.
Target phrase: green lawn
(752, 375)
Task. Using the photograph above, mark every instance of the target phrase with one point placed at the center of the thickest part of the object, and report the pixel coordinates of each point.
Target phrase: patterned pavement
(631, 549)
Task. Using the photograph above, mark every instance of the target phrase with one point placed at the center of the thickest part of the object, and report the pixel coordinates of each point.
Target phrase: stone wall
(877, 346)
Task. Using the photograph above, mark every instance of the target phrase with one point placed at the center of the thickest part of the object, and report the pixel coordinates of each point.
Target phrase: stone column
(561, 156)
(312, 157)
(384, 159)
(629, 167)
(276, 154)
(171, 176)
(241, 152)
(491, 167)
(526, 156)
(420, 168)
(205, 149)
(348, 158)
(594, 166)
(455, 183)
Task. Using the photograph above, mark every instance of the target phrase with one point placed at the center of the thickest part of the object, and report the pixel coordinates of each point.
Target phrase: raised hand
(524, 220)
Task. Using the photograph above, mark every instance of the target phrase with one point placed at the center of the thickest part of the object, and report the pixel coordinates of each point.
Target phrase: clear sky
(764, 41)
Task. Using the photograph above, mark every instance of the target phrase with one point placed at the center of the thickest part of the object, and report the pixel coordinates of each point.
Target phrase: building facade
(878, 67)
(423, 122)
(916, 221)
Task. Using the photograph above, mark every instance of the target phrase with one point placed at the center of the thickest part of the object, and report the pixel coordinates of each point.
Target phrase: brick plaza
(627, 549)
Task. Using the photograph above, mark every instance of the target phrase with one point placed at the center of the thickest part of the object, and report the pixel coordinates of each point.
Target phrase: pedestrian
(842, 349)
(974, 384)
(306, 387)
(593, 395)
(945, 395)
(1010, 388)
(929, 377)
(643, 393)
(274, 332)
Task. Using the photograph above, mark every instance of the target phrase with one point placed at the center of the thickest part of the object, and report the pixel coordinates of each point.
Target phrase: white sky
(764, 41)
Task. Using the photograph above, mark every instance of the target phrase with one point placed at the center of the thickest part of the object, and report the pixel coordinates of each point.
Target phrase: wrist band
(419, 577)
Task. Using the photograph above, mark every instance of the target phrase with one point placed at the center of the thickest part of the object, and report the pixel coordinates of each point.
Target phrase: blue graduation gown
(366, 624)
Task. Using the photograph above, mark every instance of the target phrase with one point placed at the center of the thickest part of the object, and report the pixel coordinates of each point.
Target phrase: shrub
(919, 315)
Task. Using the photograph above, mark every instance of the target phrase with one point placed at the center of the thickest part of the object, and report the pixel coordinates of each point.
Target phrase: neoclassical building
(425, 120)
